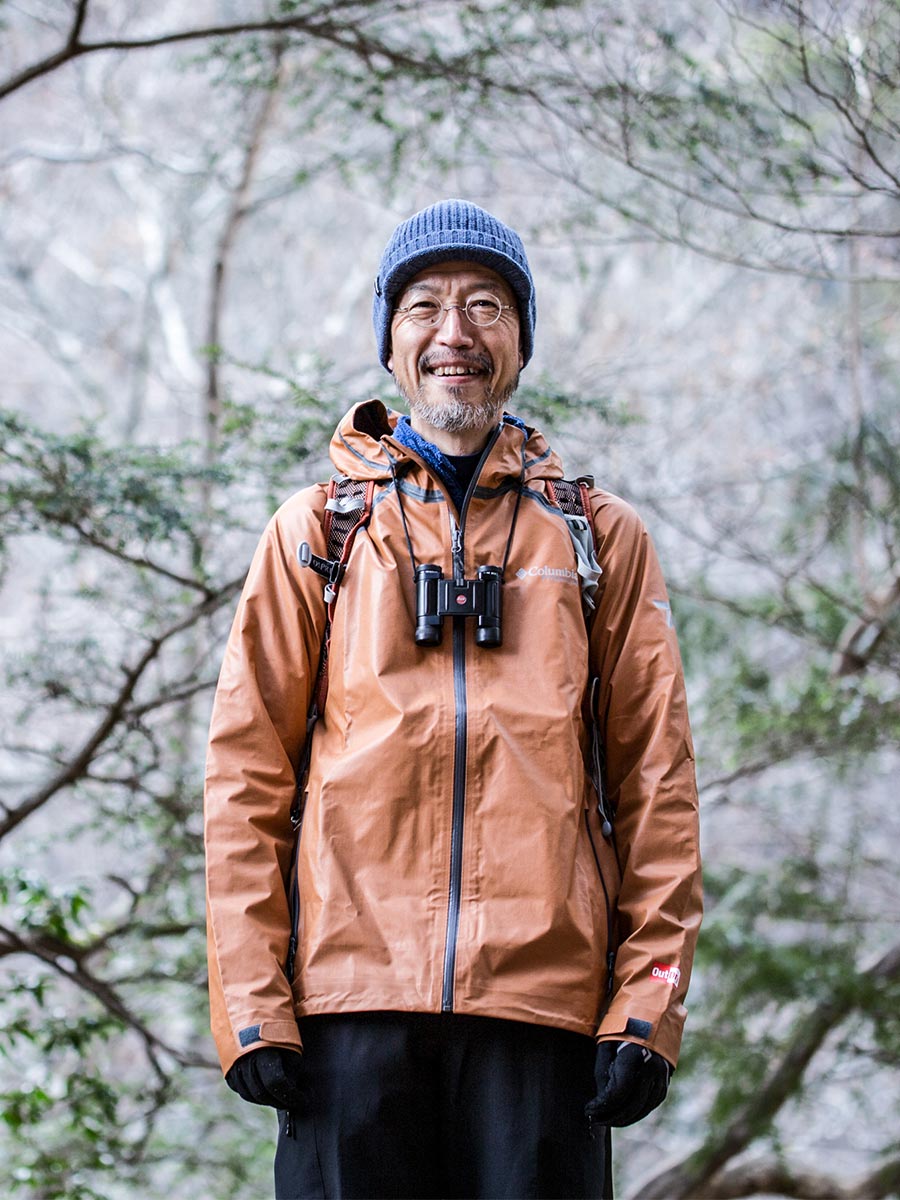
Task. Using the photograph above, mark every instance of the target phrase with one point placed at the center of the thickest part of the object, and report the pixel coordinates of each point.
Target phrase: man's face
(457, 376)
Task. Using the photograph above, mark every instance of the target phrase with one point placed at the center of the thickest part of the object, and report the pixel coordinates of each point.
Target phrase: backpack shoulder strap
(347, 510)
(348, 507)
(573, 495)
(574, 498)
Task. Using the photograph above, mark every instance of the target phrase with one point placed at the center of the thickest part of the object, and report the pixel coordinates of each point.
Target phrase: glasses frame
(463, 308)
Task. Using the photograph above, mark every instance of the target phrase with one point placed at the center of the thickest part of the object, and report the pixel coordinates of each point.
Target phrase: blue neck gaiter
(454, 472)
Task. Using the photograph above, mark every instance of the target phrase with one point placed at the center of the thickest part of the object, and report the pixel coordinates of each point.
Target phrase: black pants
(444, 1107)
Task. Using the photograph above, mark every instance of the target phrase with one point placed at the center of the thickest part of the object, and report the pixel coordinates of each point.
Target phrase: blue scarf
(437, 460)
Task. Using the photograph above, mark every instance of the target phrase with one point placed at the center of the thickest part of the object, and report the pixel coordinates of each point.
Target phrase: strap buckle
(330, 570)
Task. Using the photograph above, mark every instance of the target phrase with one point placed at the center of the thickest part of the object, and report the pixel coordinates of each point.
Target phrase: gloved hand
(631, 1082)
(269, 1075)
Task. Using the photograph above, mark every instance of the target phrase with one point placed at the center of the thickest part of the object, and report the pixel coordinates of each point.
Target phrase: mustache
(431, 359)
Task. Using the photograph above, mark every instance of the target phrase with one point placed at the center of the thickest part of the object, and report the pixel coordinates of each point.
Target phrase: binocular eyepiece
(437, 597)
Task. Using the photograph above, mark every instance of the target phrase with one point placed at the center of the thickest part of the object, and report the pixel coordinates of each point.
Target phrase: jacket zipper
(457, 821)
(459, 810)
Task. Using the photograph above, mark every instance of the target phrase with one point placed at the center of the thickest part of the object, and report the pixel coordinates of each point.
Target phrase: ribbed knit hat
(448, 230)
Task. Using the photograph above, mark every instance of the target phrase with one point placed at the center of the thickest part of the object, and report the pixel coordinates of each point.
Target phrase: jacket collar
(364, 444)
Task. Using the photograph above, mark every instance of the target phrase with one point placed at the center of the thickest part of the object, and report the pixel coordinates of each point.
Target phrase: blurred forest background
(194, 199)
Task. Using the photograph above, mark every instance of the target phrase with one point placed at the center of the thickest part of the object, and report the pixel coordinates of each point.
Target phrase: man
(474, 956)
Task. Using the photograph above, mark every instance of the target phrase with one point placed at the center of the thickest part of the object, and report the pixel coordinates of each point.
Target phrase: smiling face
(457, 376)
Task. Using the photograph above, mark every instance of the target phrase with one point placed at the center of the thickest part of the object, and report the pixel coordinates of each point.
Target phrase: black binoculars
(437, 597)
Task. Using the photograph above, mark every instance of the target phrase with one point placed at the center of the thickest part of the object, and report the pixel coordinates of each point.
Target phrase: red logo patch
(672, 975)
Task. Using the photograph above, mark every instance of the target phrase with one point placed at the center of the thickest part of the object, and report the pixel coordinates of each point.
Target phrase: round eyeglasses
(482, 309)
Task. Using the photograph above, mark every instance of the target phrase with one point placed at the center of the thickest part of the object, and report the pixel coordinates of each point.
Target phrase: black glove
(269, 1075)
(631, 1082)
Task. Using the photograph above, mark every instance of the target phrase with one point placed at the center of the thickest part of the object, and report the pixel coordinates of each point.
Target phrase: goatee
(456, 415)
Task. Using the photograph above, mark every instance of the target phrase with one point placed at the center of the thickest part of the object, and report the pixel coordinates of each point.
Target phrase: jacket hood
(363, 447)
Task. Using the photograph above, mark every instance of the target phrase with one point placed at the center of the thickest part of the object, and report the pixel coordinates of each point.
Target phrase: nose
(454, 328)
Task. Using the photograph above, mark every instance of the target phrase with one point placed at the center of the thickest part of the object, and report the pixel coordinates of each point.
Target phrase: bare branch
(319, 26)
(696, 240)
(828, 97)
(861, 639)
(187, 691)
(778, 1179)
(114, 713)
(68, 961)
(688, 1179)
(134, 560)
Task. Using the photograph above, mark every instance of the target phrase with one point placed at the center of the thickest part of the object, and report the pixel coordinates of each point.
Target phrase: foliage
(759, 135)
(109, 1009)
(798, 957)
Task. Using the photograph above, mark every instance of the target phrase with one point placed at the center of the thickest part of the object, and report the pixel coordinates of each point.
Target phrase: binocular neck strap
(520, 488)
(412, 556)
(512, 525)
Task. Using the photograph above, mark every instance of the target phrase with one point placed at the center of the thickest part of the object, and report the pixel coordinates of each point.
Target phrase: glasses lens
(483, 308)
(425, 310)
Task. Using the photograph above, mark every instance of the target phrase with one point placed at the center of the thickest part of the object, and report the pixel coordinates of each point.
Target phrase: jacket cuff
(263, 1033)
(630, 1023)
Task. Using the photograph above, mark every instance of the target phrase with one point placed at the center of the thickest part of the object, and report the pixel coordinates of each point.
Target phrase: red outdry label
(670, 974)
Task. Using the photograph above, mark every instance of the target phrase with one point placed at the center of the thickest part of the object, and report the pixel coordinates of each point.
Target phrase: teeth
(455, 371)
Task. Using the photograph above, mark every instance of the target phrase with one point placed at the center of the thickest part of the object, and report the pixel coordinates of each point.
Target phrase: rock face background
(194, 203)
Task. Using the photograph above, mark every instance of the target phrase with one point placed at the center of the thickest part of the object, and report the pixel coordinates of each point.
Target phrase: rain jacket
(451, 855)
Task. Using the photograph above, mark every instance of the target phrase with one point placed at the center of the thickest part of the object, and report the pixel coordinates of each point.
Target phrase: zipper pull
(456, 549)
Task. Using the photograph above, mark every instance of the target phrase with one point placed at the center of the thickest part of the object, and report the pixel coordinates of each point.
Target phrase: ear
(390, 364)
(521, 357)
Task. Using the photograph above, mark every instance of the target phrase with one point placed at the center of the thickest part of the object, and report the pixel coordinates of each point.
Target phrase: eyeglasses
(482, 309)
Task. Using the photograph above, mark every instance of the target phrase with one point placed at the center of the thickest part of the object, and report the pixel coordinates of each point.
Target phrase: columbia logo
(565, 573)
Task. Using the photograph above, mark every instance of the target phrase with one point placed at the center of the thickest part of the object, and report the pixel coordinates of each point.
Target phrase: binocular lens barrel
(488, 631)
(429, 624)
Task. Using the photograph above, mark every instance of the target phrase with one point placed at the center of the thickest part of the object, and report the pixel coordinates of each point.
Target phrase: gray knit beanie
(448, 230)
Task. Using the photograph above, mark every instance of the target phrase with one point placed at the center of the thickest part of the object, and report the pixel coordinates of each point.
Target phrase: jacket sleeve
(256, 736)
(650, 783)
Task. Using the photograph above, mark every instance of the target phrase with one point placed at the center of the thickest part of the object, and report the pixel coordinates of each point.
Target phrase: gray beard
(455, 415)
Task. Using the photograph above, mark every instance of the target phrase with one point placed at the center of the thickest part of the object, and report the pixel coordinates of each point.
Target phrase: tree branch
(78, 24)
(856, 123)
(67, 960)
(860, 640)
(778, 1179)
(134, 560)
(114, 713)
(693, 1177)
(323, 28)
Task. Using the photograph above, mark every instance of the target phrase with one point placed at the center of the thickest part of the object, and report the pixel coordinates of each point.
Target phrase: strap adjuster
(328, 568)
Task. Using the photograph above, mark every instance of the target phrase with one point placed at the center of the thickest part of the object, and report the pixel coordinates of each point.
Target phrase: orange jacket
(451, 854)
